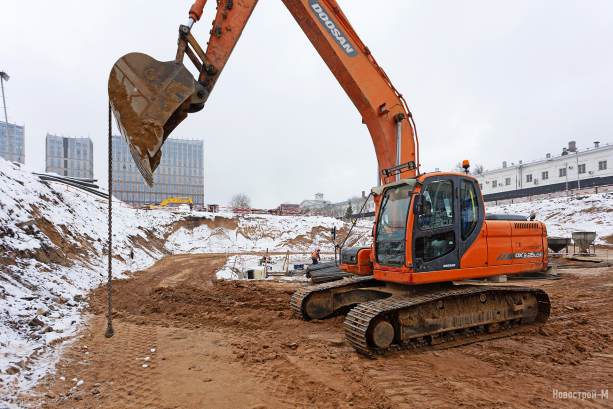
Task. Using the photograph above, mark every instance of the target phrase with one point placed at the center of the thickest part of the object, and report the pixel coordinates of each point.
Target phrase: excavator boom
(150, 98)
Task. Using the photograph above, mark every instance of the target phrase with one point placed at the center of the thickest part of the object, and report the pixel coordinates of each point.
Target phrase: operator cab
(428, 223)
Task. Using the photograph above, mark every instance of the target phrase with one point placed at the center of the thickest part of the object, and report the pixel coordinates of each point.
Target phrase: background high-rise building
(69, 156)
(12, 147)
(178, 175)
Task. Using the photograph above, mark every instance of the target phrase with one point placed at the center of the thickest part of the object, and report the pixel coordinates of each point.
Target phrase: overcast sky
(486, 81)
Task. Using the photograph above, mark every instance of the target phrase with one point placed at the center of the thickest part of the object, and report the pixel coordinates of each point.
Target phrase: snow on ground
(43, 267)
(52, 252)
(258, 233)
(563, 216)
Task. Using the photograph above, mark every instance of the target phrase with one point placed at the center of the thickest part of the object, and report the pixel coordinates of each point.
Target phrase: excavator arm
(150, 98)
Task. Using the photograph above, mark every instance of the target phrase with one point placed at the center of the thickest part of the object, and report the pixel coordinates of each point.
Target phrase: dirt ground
(216, 344)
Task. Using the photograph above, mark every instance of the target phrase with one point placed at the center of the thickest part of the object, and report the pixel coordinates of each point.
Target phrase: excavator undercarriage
(387, 317)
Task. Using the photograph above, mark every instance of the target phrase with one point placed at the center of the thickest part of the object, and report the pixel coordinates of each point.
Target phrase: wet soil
(222, 344)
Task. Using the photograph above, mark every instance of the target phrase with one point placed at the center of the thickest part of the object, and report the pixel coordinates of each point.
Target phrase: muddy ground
(237, 345)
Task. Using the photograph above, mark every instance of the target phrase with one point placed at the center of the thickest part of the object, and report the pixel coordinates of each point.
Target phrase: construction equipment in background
(584, 239)
(174, 200)
(430, 229)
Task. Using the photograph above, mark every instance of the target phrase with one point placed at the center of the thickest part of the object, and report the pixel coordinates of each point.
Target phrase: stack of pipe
(84, 184)
(324, 272)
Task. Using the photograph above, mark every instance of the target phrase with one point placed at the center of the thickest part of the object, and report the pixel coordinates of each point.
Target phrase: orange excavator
(431, 229)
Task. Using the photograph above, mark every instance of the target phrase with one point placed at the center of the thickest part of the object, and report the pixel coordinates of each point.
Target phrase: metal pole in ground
(4, 77)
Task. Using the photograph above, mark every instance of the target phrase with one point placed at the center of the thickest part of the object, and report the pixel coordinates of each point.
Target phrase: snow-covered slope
(566, 215)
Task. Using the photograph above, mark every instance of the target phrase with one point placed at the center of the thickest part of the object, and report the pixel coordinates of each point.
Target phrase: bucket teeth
(149, 99)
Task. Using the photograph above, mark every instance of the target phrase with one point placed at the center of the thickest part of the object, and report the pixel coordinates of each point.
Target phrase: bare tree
(476, 170)
(240, 200)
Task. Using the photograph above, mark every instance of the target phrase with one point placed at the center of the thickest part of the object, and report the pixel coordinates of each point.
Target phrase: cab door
(472, 218)
(436, 228)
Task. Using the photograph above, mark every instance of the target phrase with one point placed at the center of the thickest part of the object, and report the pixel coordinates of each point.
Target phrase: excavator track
(302, 294)
(365, 317)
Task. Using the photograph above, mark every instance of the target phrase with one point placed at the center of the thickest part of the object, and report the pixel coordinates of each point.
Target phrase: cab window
(392, 224)
(436, 246)
(469, 208)
(438, 206)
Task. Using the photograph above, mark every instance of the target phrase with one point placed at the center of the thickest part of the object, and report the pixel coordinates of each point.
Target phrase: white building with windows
(573, 168)
(316, 205)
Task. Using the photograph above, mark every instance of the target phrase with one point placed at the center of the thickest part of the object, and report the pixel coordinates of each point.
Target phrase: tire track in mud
(137, 385)
(283, 386)
(402, 382)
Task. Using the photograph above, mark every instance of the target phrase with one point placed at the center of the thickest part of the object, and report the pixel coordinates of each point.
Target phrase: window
(435, 246)
(582, 168)
(438, 206)
(469, 208)
(52, 162)
(507, 181)
(602, 165)
(481, 186)
(391, 229)
(562, 172)
(494, 183)
(545, 175)
(72, 173)
(528, 178)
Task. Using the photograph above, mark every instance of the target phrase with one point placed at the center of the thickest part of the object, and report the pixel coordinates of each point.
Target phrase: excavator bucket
(149, 99)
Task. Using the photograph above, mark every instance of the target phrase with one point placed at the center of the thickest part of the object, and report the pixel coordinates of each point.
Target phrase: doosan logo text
(331, 27)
